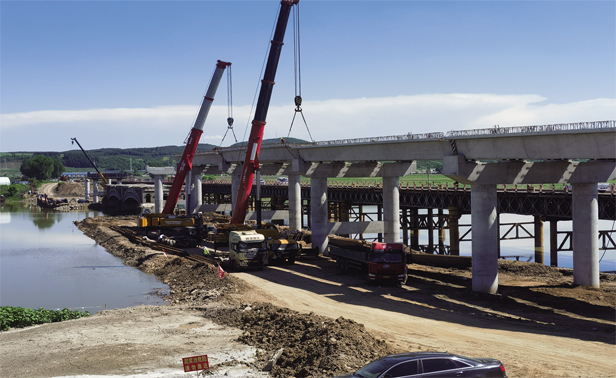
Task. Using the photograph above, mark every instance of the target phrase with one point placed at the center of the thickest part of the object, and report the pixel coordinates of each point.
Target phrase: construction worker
(206, 252)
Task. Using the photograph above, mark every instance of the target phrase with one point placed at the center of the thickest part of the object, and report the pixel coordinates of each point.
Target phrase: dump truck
(247, 250)
(382, 261)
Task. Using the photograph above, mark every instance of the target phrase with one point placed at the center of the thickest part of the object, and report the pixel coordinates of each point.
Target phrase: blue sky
(132, 73)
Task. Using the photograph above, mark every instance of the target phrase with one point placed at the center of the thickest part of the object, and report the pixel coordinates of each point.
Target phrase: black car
(430, 365)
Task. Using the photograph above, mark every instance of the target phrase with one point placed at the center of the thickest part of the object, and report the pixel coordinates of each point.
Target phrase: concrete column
(196, 193)
(87, 190)
(539, 239)
(318, 212)
(391, 209)
(95, 190)
(295, 202)
(158, 193)
(441, 232)
(585, 235)
(484, 223)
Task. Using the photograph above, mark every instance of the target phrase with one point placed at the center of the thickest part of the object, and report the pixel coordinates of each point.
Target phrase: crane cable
(297, 72)
(229, 107)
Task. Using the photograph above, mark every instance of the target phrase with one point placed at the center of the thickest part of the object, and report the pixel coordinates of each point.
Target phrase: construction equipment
(185, 164)
(383, 261)
(251, 161)
(166, 218)
(246, 250)
(105, 182)
(279, 247)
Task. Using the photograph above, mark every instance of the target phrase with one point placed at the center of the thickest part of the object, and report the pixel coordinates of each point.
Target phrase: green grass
(19, 317)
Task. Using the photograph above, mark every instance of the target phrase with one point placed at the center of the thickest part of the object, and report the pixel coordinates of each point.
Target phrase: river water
(46, 261)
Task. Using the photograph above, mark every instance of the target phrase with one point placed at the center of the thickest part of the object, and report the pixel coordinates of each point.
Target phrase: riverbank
(327, 323)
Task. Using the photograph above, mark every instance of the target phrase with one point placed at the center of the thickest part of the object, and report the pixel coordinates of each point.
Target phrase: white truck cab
(247, 249)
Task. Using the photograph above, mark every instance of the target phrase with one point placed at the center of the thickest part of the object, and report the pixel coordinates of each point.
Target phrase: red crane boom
(251, 161)
(185, 164)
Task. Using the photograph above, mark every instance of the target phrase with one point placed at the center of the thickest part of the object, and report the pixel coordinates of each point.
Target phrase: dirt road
(426, 314)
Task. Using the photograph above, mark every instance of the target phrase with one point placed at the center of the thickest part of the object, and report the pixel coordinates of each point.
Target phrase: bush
(18, 317)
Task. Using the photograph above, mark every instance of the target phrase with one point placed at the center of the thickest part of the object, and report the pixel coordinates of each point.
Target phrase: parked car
(430, 365)
(283, 180)
(254, 182)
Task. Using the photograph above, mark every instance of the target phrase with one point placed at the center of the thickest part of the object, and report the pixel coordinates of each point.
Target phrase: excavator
(189, 225)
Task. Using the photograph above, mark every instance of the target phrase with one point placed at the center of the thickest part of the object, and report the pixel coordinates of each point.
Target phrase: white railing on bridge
(534, 129)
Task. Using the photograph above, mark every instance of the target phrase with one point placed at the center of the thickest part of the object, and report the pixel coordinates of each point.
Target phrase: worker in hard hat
(206, 252)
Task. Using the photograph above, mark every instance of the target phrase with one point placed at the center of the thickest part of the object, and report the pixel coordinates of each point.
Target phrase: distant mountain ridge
(123, 159)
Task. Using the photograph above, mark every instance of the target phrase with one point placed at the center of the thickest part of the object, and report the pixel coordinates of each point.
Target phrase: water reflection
(45, 261)
(44, 221)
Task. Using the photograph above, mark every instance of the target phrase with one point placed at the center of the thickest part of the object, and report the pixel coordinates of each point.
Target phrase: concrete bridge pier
(484, 223)
(318, 210)
(87, 190)
(585, 235)
(95, 190)
(158, 174)
(391, 209)
(158, 193)
(295, 202)
(196, 193)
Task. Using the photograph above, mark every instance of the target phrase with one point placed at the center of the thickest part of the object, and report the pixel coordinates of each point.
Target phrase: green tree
(39, 167)
(58, 167)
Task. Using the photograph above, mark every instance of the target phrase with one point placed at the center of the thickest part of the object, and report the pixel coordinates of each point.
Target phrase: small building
(5, 181)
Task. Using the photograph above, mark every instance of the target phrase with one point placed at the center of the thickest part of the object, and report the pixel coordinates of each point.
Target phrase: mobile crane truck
(382, 261)
(190, 226)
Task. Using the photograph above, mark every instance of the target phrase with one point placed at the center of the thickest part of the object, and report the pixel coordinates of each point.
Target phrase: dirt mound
(312, 345)
(70, 189)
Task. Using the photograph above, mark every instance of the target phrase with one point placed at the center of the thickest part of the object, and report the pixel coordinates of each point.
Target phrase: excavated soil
(539, 325)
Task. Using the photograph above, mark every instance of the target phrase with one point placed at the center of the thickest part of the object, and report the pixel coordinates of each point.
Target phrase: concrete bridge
(580, 154)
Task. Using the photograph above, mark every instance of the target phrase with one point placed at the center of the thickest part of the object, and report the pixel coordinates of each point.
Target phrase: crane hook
(230, 122)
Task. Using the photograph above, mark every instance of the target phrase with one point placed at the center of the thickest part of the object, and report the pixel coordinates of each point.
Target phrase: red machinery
(251, 162)
(185, 164)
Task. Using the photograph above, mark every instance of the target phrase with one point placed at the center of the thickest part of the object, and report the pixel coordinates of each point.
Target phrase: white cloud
(51, 130)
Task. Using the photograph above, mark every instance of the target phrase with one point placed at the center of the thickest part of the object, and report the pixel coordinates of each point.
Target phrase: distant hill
(112, 158)
(122, 159)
